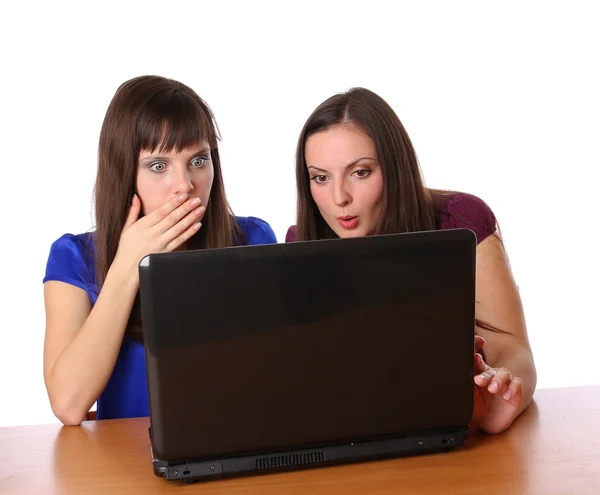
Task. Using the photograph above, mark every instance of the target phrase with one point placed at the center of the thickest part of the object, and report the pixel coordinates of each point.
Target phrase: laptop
(285, 356)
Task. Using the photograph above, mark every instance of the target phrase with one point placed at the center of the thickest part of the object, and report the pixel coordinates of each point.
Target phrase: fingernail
(182, 197)
(508, 394)
(198, 225)
(199, 211)
(195, 201)
(494, 386)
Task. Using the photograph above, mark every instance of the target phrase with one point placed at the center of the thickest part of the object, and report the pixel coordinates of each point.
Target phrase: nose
(183, 182)
(341, 194)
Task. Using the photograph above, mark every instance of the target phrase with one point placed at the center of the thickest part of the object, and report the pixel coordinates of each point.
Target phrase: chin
(347, 234)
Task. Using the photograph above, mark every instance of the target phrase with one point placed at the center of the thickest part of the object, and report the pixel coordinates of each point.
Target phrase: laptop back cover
(269, 348)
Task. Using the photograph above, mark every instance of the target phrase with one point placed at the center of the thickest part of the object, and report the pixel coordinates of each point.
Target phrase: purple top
(461, 211)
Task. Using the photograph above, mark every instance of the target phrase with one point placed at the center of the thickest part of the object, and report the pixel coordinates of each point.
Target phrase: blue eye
(158, 167)
(199, 161)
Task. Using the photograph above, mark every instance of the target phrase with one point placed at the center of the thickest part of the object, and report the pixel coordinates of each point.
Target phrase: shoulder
(290, 236)
(69, 246)
(79, 242)
(71, 260)
(256, 230)
(462, 210)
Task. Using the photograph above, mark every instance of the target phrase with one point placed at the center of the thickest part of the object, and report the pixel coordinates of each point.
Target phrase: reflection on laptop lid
(263, 358)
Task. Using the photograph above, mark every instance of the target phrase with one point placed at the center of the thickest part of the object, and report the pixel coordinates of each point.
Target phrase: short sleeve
(290, 236)
(70, 262)
(465, 211)
(257, 231)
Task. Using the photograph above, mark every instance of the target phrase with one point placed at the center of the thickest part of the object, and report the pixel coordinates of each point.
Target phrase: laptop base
(430, 442)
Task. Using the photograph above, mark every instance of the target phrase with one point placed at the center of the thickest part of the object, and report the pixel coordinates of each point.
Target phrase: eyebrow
(166, 158)
(347, 166)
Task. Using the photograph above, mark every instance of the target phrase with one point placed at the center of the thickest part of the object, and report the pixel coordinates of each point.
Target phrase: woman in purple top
(357, 174)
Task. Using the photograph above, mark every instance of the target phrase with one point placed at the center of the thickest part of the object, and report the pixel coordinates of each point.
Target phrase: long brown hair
(408, 206)
(153, 113)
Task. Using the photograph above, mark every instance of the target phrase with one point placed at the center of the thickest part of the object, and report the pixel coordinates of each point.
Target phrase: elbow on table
(67, 413)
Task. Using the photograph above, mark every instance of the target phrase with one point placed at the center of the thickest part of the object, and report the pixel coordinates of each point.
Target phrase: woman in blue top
(159, 188)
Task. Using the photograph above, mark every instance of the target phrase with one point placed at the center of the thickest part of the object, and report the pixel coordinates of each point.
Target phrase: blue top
(71, 261)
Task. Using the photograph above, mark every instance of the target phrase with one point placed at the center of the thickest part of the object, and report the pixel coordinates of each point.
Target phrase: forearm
(82, 370)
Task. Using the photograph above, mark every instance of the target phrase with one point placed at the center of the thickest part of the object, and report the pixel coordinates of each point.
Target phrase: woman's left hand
(498, 395)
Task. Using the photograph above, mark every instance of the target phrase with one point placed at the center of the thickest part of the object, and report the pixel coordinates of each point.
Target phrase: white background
(500, 99)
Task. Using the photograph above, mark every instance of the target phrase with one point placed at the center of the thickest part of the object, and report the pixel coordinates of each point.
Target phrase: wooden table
(554, 447)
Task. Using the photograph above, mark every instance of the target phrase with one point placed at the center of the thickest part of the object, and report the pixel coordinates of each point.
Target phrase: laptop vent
(290, 460)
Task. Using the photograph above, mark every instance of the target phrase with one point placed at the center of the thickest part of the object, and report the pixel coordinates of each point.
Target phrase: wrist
(123, 274)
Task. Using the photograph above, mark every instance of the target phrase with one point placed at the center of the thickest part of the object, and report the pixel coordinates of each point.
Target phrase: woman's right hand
(82, 343)
(162, 230)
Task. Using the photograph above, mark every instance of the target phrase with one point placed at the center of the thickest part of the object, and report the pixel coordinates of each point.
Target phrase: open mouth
(348, 222)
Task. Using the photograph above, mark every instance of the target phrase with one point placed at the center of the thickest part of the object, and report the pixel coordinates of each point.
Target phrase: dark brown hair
(408, 206)
(153, 113)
